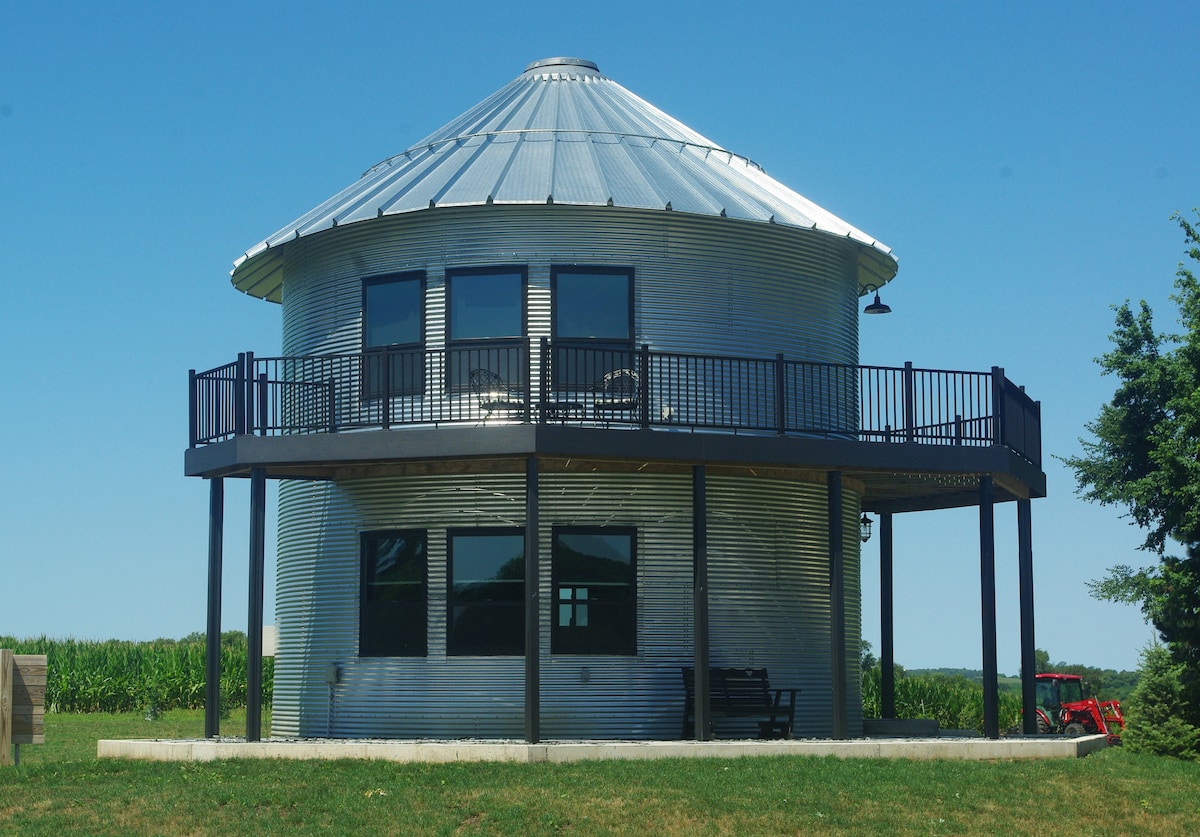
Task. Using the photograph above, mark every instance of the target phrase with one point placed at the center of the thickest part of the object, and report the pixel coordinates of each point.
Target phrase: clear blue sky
(1022, 162)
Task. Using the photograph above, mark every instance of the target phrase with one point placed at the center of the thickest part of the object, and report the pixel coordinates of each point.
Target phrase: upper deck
(912, 438)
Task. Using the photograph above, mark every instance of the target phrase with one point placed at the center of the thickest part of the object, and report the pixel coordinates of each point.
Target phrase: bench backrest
(731, 689)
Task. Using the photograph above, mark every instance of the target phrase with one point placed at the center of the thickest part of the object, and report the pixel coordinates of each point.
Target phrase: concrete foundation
(978, 749)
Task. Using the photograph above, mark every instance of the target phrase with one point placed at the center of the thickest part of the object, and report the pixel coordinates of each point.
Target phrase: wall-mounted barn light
(876, 307)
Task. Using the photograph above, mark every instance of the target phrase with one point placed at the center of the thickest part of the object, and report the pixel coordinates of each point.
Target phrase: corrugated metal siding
(701, 284)
(769, 606)
(769, 601)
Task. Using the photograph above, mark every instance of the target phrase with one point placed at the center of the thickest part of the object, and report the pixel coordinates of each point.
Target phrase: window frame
(558, 644)
(372, 646)
(407, 378)
(453, 649)
(580, 362)
(503, 355)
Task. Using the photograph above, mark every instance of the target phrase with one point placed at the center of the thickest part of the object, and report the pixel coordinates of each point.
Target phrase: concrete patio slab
(977, 749)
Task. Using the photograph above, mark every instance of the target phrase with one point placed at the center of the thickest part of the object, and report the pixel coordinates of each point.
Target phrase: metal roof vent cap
(568, 65)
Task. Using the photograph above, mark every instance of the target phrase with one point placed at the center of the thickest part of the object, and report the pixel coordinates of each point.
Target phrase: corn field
(120, 676)
(954, 702)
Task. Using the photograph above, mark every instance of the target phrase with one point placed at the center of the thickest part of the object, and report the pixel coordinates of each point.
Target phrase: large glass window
(594, 577)
(485, 325)
(393, 326)
(392, 618)
(487, 592)
(591, 322)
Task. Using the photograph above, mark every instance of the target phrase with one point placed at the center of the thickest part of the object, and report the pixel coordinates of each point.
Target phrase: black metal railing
(610, 385)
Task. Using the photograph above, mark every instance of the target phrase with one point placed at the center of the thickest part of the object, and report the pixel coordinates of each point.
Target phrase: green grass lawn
(61, 788)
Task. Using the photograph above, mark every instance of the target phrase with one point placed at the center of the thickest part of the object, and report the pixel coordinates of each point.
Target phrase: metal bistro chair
(494, 394)
(617, 394)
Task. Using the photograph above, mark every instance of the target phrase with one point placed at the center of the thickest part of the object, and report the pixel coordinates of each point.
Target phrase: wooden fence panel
(6, 667)
(28, 699)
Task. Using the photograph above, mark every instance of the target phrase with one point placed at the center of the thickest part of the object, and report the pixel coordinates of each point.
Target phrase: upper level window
(594, 579)
(486, 598)
(485, 303)
(591, 322)
(592, 303)
(393, 325)
(485, 324)
(392, 615)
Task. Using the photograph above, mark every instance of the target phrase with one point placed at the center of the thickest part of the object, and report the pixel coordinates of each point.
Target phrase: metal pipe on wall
(837, 605)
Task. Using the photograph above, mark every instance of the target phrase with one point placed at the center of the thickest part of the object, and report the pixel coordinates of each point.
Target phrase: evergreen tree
(1152, 721)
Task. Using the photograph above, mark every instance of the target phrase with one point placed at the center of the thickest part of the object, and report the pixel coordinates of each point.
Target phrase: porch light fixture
(877, 307)
(864, 528)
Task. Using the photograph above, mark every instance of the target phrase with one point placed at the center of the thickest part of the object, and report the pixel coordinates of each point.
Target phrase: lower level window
(392, 620)
(595, 591)
(486, 592)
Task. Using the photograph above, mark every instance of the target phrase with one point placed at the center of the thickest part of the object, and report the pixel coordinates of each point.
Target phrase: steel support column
(212, 660)
(533, 610)
(254, 619)
(700, 651)
(1028, 658)
(987, 585)
(837, 605)
(887, 645)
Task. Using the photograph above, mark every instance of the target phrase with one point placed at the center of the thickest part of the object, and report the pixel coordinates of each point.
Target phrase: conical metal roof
(563, 133)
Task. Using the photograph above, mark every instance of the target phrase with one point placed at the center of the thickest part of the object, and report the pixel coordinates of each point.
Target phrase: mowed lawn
(60, 788)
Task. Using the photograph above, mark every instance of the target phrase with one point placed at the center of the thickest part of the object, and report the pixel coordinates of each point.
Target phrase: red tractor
(1062, 709)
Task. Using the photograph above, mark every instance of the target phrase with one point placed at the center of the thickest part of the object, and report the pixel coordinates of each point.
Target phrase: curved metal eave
(259, 272)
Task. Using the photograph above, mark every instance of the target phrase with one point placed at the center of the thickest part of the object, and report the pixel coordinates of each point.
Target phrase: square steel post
(700, 650)
(887, 649)
(1028, 658)
(254, 620)
(212, 662)
(533, 611)
(987, 585)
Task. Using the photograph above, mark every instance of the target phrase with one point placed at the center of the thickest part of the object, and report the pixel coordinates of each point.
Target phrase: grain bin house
(570, 402)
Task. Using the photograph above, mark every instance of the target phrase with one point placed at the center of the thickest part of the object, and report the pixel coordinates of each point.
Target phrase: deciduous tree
(1144, 456)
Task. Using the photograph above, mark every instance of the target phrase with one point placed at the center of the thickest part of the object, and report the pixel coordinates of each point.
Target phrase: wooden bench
(742, 693)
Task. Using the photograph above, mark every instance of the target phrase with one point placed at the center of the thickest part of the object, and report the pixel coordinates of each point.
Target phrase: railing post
(525, 364)
(193, 404)
(385, 406)
(910, 407)
(264, 408)
(998, 417)
(958, 429)
(644, 385)
(248, 403)
(239, 395)
(544, 380)
(332, 385)
(780, 395)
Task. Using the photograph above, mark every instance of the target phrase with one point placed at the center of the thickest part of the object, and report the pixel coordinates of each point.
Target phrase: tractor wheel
(1074, 729)
(1043, 727)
